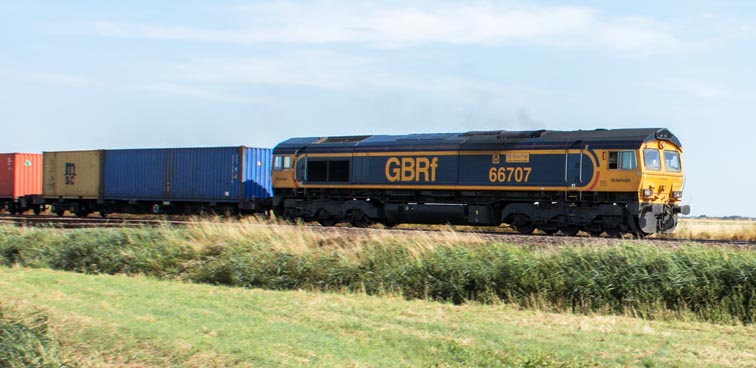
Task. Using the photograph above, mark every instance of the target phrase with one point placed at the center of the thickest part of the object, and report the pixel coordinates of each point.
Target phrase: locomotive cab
(282, 175)
(661, 186)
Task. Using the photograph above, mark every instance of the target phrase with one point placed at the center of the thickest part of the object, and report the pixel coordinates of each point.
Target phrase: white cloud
(691, 87)
(183, 90)
(330, 70)
(318, 69)
(50, 78)
(485, 23)
(163, 88)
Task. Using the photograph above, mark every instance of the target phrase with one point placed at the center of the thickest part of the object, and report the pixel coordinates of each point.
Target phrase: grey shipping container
(207, 174)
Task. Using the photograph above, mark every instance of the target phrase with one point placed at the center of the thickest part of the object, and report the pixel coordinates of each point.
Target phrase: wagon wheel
(569, 230)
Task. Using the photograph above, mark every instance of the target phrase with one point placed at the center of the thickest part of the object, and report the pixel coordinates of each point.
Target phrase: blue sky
(97, 74)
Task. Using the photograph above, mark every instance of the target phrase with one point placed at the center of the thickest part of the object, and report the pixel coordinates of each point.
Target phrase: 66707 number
(509, 174)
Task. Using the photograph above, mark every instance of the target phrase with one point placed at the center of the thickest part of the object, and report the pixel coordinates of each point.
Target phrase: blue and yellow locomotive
(615, 181)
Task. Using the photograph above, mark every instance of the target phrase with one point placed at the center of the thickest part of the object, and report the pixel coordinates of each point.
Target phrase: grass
(25, 341)
(686, 282)
(120, 321)
(737, 230)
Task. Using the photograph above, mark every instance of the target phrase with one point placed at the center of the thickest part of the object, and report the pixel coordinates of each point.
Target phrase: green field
(684, 282)
(261, 294)
(124, 321)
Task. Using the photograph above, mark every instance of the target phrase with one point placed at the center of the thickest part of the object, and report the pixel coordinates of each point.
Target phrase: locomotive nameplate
(517, 158)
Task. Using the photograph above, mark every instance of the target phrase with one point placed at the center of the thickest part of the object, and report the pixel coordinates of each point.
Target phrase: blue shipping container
(214, 174)
(257, 166)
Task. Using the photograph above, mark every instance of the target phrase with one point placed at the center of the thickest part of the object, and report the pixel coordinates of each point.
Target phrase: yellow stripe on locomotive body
(417, 170)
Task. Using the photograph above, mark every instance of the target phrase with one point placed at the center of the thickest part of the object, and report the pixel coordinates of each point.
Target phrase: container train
(225, 180)
(614, 181)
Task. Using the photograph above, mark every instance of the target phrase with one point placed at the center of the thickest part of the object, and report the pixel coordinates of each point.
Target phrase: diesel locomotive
(613, 181)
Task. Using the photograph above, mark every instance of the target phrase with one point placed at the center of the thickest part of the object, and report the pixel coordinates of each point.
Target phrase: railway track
(70, 222)
(66, 222)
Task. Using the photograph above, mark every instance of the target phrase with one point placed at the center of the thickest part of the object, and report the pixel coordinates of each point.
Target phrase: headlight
(677, 194)
(648, 192)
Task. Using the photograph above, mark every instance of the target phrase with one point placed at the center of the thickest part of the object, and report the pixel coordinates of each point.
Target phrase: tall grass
(25, 341)
(715, 229)
(712, 284)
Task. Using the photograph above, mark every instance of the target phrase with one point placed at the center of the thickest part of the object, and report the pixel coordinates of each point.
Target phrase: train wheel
(614, 233)
(37, 210)
(359, 219)
(525, 229)
(289, 215)
(60, 212)
(550, 231)
(570, 230)
(327, 221)
(523, 224)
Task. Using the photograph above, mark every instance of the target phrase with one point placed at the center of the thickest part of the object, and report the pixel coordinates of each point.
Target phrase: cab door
(573, 165)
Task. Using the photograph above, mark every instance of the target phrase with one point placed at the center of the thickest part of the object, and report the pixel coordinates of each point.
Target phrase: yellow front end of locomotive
(661, 187)
(663, 177)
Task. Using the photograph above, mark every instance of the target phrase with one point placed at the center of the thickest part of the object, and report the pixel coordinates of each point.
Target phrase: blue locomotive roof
(478, 140)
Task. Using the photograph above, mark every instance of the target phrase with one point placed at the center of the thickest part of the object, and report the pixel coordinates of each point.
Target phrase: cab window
(281, 163)
(623, 160)
(627, 160)
(672, 161)
(651, 159)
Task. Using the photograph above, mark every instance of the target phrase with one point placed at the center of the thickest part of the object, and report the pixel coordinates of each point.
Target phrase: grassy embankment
(118, 321)
(682, 282)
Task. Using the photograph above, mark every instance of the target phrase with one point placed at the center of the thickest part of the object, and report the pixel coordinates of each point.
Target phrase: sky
(129, 74)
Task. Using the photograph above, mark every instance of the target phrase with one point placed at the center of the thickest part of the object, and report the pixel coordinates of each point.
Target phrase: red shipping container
(20, 174)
